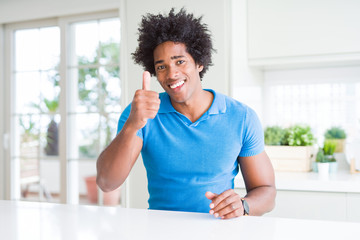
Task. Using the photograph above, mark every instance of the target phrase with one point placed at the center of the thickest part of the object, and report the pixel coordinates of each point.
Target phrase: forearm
(261, 200)
(116, 161)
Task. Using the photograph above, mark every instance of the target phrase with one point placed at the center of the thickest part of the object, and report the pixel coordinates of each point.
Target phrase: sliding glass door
(64, 86)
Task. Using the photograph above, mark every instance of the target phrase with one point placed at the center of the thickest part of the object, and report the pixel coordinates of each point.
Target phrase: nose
(173, 72)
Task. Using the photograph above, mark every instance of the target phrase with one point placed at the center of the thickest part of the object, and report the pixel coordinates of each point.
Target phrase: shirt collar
(218, 105)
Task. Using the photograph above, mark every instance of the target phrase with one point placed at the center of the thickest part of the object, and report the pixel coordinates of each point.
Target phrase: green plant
(274, 135)
(326, 154)
(298, 135)
(329, 147)
(320, 157)
(109, 52)
(335, 133)
(52, 105)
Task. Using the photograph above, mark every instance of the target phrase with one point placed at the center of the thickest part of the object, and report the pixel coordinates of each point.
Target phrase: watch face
(246, 207)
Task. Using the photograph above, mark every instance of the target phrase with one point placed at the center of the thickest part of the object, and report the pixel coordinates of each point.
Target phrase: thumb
(210, 195)
(146, 80)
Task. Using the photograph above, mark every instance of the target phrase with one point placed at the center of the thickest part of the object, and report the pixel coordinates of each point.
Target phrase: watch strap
(245, 207)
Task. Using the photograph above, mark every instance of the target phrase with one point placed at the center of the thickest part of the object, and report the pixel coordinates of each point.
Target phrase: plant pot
(333, 166)
(314, 167)
(291, 158)
(323, 169)
(110, 198)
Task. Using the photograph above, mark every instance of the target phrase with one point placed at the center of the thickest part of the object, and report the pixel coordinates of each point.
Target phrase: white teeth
(177, 84)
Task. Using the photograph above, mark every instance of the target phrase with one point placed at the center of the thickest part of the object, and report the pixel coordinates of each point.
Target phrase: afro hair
(178, 27)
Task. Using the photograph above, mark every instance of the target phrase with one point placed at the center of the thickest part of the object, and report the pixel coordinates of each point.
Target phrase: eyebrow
(172, 58)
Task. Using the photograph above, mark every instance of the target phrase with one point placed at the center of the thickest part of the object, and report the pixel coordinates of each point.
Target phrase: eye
(180, 62)
(161, 67)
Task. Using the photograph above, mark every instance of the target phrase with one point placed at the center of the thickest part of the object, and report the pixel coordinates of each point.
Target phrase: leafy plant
(274, 135)
(52, 105)
(335, 133)
(329, 147)
(326, 154)
(298, 135)
(320, 157)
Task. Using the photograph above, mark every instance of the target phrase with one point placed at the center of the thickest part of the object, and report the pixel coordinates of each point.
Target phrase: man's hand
(145, 104)
(225, 205)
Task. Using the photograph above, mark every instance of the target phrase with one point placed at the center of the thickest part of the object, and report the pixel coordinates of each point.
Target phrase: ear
(200, 68)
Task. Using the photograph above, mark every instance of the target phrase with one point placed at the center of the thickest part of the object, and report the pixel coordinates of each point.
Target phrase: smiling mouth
(178, 84)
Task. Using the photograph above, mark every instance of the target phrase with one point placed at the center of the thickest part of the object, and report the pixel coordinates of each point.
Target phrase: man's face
(176, 71)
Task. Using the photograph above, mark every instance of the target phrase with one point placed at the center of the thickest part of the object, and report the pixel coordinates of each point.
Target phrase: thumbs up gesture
(146, 81)
(145, 104)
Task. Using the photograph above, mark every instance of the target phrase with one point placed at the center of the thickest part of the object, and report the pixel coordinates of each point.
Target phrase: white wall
(246, 83)
(24, 10)
(2, 109)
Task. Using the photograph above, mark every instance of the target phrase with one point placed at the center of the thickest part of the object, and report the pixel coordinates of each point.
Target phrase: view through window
(93, 106)
(322, 98)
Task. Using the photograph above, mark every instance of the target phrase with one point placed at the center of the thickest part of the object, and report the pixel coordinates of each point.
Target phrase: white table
(30, 220)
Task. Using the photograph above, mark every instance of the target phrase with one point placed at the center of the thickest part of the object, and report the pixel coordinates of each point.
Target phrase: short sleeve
(253, 135)
(124, 116)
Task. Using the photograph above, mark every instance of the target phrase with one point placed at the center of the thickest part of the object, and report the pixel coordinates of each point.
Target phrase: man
(192, 140)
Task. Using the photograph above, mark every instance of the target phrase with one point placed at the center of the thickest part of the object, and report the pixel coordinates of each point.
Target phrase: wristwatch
(245, 206)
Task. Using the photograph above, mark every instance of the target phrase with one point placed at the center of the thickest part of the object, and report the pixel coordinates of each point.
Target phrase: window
(35, 115)
(322, 98)
(94, 106)
(60, 82)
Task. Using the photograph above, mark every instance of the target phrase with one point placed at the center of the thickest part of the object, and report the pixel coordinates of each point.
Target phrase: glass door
(64, 84)
(94, 103)
(34, 114)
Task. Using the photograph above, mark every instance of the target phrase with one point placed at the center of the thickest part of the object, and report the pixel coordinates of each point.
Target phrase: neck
(197, 107)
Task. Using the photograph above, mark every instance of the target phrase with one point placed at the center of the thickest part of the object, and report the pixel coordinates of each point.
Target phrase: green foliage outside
(297, 135)
(335, 133)
(109, 53)
(52, 105)
(30, 132)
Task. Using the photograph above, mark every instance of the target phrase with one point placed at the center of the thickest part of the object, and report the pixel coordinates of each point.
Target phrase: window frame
(2, 114)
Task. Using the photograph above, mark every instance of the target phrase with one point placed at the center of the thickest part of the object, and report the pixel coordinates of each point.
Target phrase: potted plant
(296, 149)
(322, 164)
(338, 135)
(329, 149)
(52, 134)
(326, 155)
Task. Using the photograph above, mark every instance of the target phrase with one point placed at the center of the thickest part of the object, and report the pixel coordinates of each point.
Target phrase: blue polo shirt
(185, 159)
